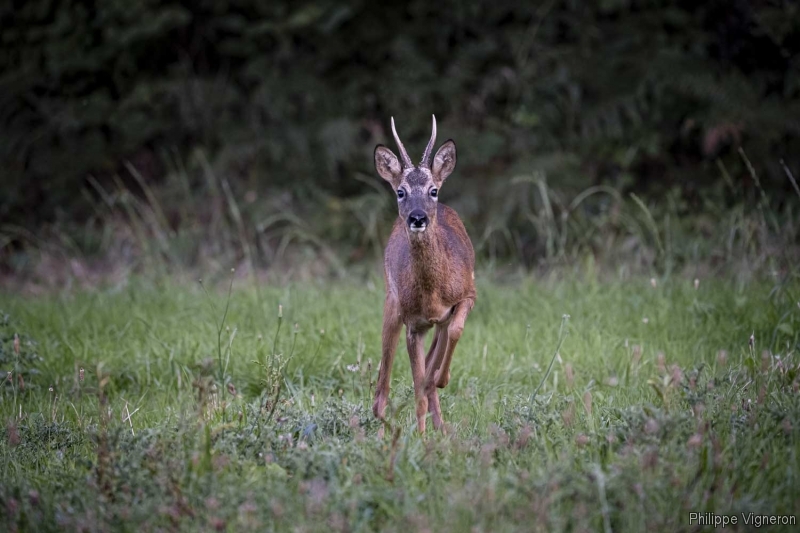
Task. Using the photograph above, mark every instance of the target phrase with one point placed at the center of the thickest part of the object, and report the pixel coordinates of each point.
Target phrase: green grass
(657, 406)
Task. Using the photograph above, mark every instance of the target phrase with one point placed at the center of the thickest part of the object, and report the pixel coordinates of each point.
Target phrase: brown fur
(422, 267)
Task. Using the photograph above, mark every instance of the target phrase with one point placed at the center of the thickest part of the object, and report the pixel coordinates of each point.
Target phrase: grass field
(163, 407)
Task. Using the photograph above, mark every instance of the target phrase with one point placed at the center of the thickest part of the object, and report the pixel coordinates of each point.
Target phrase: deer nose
(417, 219)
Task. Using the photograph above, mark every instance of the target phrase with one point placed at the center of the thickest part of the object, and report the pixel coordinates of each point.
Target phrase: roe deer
(429, 272)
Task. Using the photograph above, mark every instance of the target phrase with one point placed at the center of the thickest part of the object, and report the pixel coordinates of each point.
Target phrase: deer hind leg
(414, 340)
(391, 332)
(436, 342)
(454, 330)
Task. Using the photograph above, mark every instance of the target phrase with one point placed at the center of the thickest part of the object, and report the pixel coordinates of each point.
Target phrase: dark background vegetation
(242, 129)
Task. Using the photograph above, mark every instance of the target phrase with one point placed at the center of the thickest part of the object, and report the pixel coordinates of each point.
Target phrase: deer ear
(387, 164)
(444, 162)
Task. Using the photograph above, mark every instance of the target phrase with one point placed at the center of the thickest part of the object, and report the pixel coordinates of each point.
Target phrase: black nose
(417, 219)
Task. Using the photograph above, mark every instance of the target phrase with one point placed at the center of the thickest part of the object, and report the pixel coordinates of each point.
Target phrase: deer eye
(401, 194)
(434, 193)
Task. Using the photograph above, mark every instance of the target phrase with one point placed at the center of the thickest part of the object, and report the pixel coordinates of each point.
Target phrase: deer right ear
(387, 165)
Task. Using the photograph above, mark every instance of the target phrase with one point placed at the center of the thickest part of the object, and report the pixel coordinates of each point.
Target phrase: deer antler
(403, 154)
(426, 155)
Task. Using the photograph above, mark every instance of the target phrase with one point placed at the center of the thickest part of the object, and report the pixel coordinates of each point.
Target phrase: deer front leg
(416, 350)
(391, 332)
(432, 360)
(454, 330)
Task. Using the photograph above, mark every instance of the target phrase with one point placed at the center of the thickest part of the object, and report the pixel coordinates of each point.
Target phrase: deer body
(429, 274)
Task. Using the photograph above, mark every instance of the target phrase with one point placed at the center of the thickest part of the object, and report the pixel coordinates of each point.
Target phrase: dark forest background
(242, 129)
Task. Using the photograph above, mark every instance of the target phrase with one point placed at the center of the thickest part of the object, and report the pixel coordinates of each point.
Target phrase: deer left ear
(444, 162)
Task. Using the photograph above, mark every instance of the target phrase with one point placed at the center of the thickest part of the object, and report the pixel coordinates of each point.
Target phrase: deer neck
(427, 256)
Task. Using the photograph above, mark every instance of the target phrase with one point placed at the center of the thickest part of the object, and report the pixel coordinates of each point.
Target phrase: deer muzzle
(417, 220)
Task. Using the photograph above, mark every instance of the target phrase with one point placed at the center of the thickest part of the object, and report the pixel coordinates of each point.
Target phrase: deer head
(417, 187)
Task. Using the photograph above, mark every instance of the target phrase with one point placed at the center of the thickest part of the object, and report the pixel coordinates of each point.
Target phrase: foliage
(529, 225)
(658, 405)
(290, 98)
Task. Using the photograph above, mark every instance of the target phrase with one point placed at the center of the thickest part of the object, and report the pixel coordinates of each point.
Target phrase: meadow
(227, 406)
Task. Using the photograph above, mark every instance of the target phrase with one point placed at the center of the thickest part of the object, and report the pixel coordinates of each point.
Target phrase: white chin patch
(417, 230)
